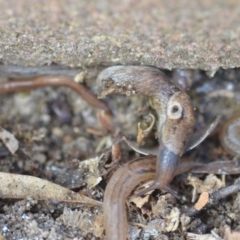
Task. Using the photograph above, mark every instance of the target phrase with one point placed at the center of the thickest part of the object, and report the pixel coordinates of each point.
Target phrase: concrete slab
(165, 33)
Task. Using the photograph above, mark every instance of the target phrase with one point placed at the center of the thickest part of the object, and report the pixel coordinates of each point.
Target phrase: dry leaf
(20, 186)
(169, 216)
(85, 220)
(210, 184)
(86, 173)
(168, 224)
(202, 201)
(98, 226)
(185, 222)
(74, 218)
(90, 166)
(140, 135)
(228, 235)
(172, 220)
(163, 206)
(193, 236)
(9, 140)
(143, 132)
(80, 77)
(139, 201)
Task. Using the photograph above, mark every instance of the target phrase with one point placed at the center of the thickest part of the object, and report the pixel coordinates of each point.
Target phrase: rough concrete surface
(169, 34)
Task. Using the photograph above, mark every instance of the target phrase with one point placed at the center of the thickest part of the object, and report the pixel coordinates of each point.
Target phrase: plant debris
(15, 186)
(9, 140)
(210, 184)
(82, 153)
(202, 201)
(231, 235)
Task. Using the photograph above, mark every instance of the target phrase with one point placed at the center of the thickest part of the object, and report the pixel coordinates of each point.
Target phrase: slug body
(124, 180)
(176, 118)
(121, 184)
(230, 135)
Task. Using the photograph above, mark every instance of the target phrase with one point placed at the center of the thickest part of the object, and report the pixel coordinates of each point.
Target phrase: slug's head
(118, 80)
(175, 134)
(179, 124)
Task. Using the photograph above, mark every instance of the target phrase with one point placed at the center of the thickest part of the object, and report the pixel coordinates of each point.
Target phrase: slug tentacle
(176, 118)
(164, 177)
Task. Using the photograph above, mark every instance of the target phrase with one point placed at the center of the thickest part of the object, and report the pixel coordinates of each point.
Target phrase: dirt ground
(58, 130)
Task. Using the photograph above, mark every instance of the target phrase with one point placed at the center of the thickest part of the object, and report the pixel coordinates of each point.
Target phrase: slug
(230, 135)
(176, 118)
(183, 78)
(131, 174)
(121, 184)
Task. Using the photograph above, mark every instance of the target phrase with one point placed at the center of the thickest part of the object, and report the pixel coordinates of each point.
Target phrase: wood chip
(9, 140)
(202, 201)
(15, 186)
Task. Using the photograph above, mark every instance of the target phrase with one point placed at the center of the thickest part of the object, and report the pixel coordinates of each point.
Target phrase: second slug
(53, 80)
(124, 180)
(176, 118)
(230, 135)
